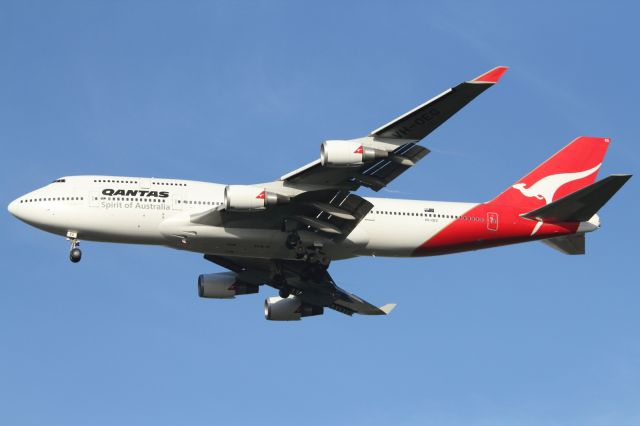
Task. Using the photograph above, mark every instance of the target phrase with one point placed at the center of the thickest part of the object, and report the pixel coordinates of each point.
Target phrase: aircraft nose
(13, 207)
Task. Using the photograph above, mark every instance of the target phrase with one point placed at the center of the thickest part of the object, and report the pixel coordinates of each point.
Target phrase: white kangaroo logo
(545, 188)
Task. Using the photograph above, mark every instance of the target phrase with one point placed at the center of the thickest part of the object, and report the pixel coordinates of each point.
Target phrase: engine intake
(289, 309)
(246, 197)
(348, 153)
(223, 285)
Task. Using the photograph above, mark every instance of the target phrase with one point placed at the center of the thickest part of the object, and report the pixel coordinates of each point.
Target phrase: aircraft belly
(244, 242)
(229, 241)
(391, 237)
(113, 224)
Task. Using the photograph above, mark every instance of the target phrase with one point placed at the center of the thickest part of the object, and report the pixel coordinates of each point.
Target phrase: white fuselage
(158, 212)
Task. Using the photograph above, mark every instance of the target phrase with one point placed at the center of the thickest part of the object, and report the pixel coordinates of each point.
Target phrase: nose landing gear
(75, 254)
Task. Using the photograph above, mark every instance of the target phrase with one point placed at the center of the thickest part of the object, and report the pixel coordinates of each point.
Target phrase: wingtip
(388, 308)
(491, 76)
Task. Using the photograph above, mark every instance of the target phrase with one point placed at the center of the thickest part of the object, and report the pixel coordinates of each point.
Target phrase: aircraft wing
(398, 138)
(320, 197)
(310, 283)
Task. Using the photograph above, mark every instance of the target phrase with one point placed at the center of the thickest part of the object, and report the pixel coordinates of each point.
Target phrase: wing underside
(312, 284)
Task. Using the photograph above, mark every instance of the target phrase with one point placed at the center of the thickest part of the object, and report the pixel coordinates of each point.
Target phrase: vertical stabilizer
(572, 168)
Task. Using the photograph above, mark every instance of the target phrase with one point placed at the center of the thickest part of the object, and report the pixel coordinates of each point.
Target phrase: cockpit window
(59, 181)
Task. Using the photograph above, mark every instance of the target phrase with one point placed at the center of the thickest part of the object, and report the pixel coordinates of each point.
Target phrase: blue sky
(242, 92)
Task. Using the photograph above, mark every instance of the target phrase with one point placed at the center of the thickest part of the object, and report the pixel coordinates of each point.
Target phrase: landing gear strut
(75, 254)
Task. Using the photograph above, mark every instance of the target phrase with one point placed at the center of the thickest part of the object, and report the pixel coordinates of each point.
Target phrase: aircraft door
(145, 183)
(176, 200)
(94, 199)
(492, 221)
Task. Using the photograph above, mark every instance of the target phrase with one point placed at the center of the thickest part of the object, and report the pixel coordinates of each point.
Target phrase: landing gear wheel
(75, 255)
(300, 251)
(293, 240)
(284, 293)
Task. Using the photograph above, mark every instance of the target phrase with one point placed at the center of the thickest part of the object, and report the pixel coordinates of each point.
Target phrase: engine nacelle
(223, 285)
(247, 197)
(289, 309)
(348, 153)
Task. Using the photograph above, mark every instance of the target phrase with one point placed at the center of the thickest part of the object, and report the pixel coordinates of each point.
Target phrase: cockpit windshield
(59, 181)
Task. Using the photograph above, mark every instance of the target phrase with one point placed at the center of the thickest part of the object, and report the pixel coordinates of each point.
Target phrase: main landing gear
(75, 254)
(312, 268)
(312, 254)
(315, 260)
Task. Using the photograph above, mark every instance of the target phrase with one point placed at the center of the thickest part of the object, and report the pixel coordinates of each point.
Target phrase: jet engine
(289, 309)
(246, 197)
(223, 285)
(348, 153)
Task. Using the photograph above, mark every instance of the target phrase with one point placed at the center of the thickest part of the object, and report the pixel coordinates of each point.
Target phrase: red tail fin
(570, 169)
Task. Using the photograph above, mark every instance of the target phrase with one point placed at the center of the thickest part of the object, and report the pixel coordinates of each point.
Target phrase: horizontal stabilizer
(581, 205)
(568, 244)
(388, 308)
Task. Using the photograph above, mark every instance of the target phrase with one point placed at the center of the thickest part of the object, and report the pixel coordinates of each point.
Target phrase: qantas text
(135, 193)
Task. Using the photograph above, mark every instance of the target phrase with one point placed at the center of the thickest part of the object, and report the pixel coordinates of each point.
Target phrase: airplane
(285, 233)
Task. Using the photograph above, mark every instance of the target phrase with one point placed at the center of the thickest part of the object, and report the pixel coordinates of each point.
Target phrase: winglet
(388, 308)
(491, 76)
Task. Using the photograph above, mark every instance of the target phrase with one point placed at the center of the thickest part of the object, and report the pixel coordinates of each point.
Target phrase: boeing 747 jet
(285, 233)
